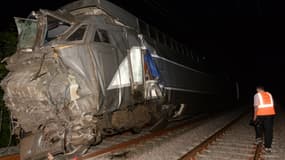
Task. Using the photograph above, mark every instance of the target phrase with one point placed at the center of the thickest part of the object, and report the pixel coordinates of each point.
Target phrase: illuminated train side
(91, 69)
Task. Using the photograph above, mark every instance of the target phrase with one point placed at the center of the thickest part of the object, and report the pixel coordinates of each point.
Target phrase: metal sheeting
(175, 76)
(83, 69)
(122, 76)
(118, 13)
(136, 64)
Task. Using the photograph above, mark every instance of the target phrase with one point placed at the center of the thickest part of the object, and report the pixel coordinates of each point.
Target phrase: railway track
(210, 139)
(116, 141)
(143, 147)
(10, 157)
(113, 146)
(235, 141)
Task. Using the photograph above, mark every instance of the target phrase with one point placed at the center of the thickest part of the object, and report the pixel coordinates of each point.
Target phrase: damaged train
(91, 69)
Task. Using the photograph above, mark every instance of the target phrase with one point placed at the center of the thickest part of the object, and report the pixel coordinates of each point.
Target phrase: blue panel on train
(151, 64)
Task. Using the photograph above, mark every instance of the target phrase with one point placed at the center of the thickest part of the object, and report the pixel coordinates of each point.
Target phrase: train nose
(26, 97)
(50, 100)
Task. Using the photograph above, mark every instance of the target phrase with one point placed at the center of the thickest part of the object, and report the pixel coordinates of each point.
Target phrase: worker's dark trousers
(265, 128)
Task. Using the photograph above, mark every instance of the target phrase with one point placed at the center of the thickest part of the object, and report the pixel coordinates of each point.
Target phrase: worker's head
(259, 88)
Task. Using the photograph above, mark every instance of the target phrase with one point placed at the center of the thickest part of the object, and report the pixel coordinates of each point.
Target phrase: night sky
(244, 38)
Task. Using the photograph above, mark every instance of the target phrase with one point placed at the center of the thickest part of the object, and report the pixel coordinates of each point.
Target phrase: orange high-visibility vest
(266, 106)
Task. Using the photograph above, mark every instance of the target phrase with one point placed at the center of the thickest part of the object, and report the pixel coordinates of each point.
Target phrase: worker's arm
(254, 113)
(255, 105)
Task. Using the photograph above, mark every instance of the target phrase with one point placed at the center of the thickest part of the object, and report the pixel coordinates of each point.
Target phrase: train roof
(115, 11)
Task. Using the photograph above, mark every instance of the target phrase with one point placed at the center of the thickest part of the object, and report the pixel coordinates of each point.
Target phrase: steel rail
(202, 146)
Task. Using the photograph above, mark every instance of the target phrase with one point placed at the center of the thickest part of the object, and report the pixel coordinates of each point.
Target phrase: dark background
(243, 38)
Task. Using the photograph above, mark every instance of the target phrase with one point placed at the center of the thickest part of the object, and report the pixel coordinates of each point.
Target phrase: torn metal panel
(116, 12)
(64, 16)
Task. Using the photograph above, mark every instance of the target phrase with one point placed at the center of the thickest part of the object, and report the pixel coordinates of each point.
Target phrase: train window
(171, 43)
(184, 50)
(78, 34)
(55, 27)
(97, 37)
(152, 33)
(177, 46)
(187, 51)
(101, 35)
(143, 27)
(181, 49)
(174, 45)
(161, 38)
(168, 43)
(104, 36)
(27, 29)
(192, 55)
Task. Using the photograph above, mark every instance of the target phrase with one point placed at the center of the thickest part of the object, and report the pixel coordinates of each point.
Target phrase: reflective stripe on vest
(266, 106)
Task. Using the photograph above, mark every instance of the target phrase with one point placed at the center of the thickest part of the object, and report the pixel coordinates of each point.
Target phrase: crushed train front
(52, 91)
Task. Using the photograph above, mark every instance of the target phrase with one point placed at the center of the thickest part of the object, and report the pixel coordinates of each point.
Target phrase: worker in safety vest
(264, 115)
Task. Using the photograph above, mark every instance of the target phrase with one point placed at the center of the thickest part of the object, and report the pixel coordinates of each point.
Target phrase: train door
(106, 61)
(144, 74)
(129, 76)
(119, 66)
(136, 61)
